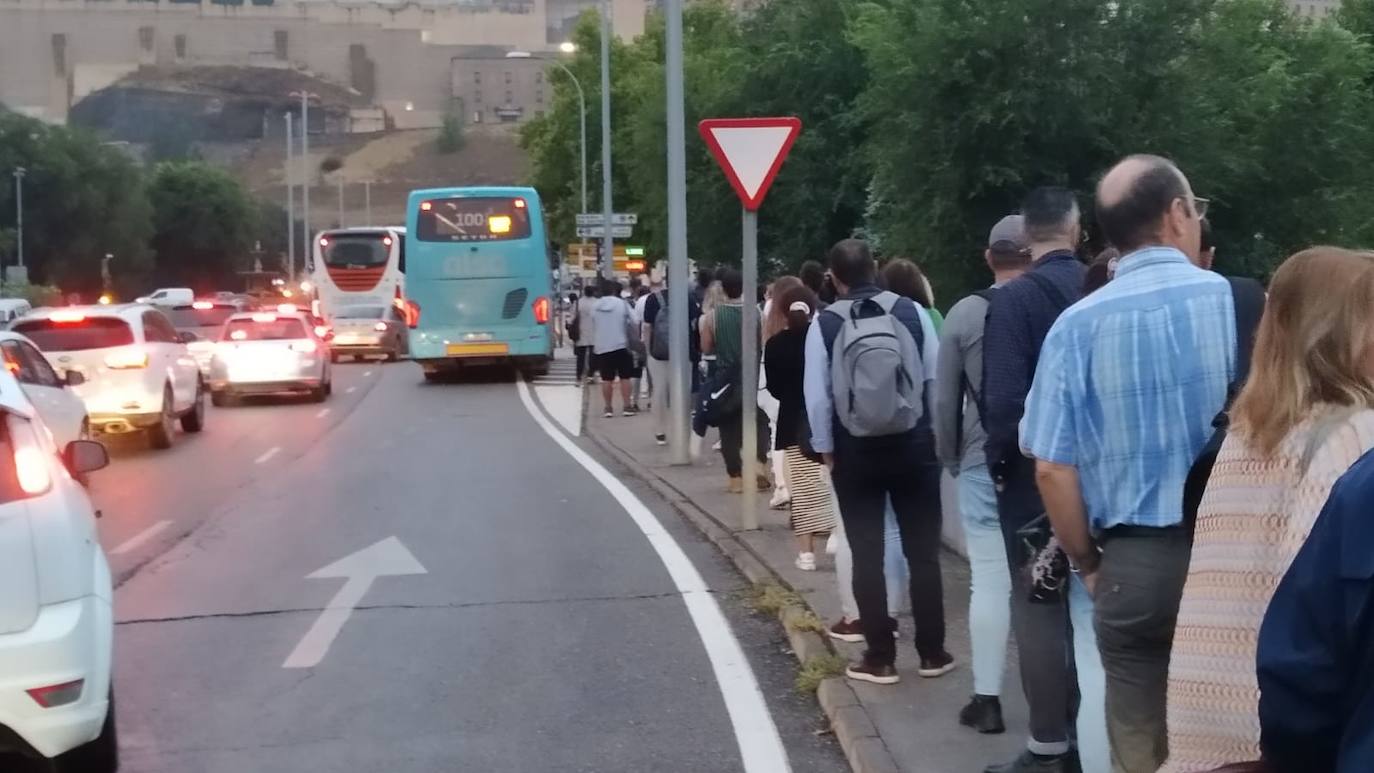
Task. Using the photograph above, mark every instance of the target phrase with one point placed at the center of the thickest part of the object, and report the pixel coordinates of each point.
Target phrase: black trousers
(584, 359)
(869, 472)
(1043, 632)
(732, 444)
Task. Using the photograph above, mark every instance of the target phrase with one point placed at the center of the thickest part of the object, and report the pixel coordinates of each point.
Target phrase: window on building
(539, 77)
(477, 96)
(477, 77)
(508, 76)
(509, 97)
(539, 96)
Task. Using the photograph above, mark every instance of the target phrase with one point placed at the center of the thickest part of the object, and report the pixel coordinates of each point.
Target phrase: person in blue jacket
(1316, 645)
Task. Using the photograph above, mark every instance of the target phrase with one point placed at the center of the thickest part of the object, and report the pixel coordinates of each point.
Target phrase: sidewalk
(916, 721)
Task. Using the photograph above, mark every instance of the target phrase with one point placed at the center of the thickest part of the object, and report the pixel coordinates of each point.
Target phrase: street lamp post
(568, 48)
(305, 96)
(19, 173)
(608, 243)
(290, 198)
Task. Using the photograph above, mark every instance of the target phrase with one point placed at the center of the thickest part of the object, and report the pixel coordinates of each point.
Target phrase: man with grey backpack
(865, 386)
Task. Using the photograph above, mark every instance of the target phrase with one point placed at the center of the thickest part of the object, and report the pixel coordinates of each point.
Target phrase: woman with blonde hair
(1305, 415)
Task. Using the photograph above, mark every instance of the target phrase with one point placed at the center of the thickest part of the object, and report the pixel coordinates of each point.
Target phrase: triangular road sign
(750, 150)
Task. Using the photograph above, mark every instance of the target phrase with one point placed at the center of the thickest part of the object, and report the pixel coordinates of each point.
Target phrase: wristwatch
(1093, 563)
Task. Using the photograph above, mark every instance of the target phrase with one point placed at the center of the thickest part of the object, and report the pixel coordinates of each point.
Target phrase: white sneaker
(780, 499)
(608, 415)
(716, 446)
(806, 562)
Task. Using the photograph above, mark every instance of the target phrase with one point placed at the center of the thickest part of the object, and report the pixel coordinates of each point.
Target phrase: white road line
(138, 540)
(271, 452)
(323, 413)
(367, 373)
(349, 390)
(759, 744)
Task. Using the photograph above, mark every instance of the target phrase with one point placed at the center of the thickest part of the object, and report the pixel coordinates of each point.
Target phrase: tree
(451, 139)
(82, 199)
(203, 224)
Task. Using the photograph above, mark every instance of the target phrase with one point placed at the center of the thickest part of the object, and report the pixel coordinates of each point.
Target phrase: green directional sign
(634, 252)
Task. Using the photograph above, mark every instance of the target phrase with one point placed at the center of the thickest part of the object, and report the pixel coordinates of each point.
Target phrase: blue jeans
(1094, 751)
(989, 613)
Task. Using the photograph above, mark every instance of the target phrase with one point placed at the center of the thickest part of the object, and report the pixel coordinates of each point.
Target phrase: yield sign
(750, 150)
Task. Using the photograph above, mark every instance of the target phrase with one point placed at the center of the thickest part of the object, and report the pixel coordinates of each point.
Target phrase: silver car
(269, 353)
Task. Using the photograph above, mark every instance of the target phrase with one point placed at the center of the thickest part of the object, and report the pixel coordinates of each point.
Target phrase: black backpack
(1248, 297)
(658, 331)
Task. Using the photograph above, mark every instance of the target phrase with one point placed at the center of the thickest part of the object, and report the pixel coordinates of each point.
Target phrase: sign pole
(679, 357)
(749, 376)
(608, 240)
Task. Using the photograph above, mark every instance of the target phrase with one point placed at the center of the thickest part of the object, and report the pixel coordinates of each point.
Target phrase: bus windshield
(356, 250)
(473, 219)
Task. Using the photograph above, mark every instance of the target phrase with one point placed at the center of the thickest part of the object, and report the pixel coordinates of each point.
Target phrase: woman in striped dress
(1305, 415)
(784, 359)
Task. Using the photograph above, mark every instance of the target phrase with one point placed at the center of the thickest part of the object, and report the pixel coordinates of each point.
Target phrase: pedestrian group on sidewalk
(1164, 475)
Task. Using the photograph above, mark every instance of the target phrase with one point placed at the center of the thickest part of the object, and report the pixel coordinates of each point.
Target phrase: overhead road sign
(617, 218)
(598, 231)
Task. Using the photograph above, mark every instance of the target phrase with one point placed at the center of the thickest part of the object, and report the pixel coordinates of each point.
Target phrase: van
(12, 309)
(170, 296)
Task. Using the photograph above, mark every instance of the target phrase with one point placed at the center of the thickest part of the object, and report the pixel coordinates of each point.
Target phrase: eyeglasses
(1200, 206)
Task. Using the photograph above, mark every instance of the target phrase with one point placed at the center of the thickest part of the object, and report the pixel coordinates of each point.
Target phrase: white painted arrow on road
(386, 558)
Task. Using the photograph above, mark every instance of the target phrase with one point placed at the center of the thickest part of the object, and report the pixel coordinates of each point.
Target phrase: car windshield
(76, 335)
(189, 317)
(361, 312)
(274, 329)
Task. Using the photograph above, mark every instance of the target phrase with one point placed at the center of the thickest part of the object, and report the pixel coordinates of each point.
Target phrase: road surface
(417, 577)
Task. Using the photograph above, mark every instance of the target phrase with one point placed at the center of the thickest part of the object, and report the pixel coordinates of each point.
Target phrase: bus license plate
(477, 350)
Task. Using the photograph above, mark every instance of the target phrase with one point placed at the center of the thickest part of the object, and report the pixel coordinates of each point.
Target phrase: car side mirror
(187, 337)
(75, 378)
(83, 456)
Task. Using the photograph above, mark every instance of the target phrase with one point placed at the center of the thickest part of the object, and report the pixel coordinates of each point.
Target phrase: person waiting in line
(614, 324)
(784, 358)
(1051, 613)
(959, 439)
(637, 343)
(774, 322)
(812, 274)
(656, 332)
(1123, 402)
(876, 441)
(586, 331)
(1304, 416)
(1207, 248)
(1100, 271)
(903, 277)
(724, 339)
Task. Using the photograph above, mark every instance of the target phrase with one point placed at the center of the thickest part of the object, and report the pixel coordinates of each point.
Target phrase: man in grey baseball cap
(959, 440)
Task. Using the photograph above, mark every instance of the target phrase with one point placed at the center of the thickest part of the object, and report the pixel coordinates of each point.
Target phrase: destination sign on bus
(472, 219)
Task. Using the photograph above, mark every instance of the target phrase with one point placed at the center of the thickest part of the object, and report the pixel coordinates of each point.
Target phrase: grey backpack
(875, 369)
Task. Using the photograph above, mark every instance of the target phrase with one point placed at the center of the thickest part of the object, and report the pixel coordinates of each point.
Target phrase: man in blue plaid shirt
(1128, 382)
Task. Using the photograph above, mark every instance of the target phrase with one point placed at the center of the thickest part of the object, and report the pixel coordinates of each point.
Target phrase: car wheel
(434, 376)
(392, 356)
(358, 358)
(160, 435)
(194, 419)
(319, 393)
(98, 756)
(221, 399)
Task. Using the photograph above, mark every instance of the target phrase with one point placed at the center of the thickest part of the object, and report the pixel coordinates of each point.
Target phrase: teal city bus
(478, 279)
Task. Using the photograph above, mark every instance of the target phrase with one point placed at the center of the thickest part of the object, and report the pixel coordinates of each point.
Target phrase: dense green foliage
(203, 222)
(924, 121)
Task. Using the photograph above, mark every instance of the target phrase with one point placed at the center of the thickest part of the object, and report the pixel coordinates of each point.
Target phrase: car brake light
(202, 305)
(67, 316)
(321, 330)
(126, 360)
(30, 460)
(305, 347)
(56, 695)
(380, 327)
(541, 310)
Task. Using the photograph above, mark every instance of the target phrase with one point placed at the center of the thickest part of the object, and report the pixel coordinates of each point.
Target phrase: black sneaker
(631, 411)
(937, 666)
(1030, 762)
(984, 714)
(867, 671)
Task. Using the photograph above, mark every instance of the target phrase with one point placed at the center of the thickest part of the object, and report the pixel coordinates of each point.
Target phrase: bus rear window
(467, 219)
(78, 335)
(355, 250)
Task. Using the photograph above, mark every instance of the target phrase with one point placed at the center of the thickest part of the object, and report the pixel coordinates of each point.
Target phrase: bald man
(1128, 383)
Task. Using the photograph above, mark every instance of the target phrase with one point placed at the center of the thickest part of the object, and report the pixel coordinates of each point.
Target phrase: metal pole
(305, 181)
(608, 242)
(679, 357)
(290, 198)
(341, 207)
(19, 216)
(749, 376)
(367, 201)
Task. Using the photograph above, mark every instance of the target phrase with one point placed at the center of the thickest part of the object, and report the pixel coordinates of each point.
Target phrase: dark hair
(851, 262)
(1046, 212)
(641, 291)
(705, 277)
(591, 290)
(720, 273)
(812, 274)
(610, 287)
(1206, 227)
(572, 297)
(732, 282)
(1132, 221)
(798, 320)
(904, 278)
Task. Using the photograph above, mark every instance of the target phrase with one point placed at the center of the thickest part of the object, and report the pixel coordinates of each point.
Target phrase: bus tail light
(126, 360)
(541, 309)
(412, 314)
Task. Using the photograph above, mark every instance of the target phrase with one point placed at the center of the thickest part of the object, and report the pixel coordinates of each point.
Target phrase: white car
(56, 618)
(62, 409)
(137, 374)
(270, 353)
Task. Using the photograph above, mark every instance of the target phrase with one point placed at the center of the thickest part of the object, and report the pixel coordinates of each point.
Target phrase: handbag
(721, 398)
(1045, 560)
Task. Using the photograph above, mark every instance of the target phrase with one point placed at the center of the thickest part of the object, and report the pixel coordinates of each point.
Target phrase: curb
(858, 736)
